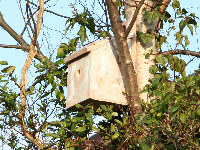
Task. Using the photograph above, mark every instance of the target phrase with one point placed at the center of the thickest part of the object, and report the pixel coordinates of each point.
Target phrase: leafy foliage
(171, 118)
(169, 121)
(85, 20)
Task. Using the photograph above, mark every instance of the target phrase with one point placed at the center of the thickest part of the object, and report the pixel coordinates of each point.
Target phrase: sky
(191, 6)
(52, 33)
(50, 41)
(12, 15)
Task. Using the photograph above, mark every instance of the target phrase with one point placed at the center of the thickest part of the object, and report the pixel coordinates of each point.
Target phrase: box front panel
(78, 81)
(106, 78)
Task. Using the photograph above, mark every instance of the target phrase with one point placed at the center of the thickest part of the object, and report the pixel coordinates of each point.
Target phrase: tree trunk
(128, 70)
(139, 50)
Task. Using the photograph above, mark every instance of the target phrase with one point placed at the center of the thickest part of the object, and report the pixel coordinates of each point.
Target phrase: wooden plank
(76, 55)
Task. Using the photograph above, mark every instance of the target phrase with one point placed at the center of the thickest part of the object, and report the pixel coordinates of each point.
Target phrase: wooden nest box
(94, 76)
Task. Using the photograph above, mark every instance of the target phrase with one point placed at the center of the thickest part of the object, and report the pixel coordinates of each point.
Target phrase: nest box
(94, 76)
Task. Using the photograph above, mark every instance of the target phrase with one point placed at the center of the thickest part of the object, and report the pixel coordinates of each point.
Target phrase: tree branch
(133, 18)
(17, 37)
(164, 5)
(11, 46)
(24, 77)
(183, 52)
(24, 46)
(49, 11)
(127, 65)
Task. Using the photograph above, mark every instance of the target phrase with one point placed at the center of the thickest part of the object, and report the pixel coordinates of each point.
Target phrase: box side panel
(106, 78)
(78, 81)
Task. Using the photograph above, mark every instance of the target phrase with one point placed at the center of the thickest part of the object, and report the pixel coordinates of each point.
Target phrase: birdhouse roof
(85, 50)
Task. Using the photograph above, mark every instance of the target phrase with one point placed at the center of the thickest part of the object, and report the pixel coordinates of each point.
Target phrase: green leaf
(191, 28)
(102, 34)
(176, 4)
(82, 34)
(184, 11)
(153, 69)
(77, 119)
(115, 136)
(160, 41)
(179, 11)
(45, 95)
(114, 114)
(160, 60)
(80, 129)
(145, 146)
(66, 30)
(145, 37)
(1, 76)
(179, 37)
(198, 111)
(60, 53)
(147, 56)
(84, 21)
(6, 112)
(73, 42)
(52, 135)
(95, 129)
(61, 132)
(175, 108)
(119, 3)
(191, 21)
(78, 106)
(151, 16)
(183, 117)
(8, 69)
(91, 111)
(182, 24)
(105, 108)
(3, 63)
(112, 128)
(84, 14)
(32, 88)
(159, 115)
(4, 80)
(198, 92)
(91, 24)
(59, 62)
(187, 42)
(119, 122)
(71, 148)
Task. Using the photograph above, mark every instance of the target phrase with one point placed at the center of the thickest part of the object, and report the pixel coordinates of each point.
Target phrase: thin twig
(11, 46)
(49, 11)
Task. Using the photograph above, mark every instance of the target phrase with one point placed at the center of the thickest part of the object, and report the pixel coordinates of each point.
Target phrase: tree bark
(23, 44)
(134, 65)
(24, 76)
(183, 52)
(139, 51)
(129, 73)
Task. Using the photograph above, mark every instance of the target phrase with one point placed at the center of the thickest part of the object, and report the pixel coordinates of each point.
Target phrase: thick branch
(24, 77)
(133, 18)
(18, 38)
(183, 52)
(164, 5)
(125, 57)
